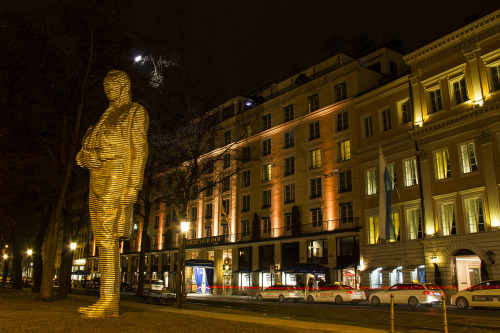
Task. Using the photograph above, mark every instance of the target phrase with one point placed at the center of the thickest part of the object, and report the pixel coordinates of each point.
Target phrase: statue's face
(116, 86)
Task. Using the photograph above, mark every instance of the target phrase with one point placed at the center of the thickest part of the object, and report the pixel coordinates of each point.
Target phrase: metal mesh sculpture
(115, 151)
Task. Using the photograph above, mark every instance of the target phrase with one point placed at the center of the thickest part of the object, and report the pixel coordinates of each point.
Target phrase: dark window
(289, 140)
(312, 103)
(342, 121)
(266, 122)
(266, 147)
(314, 131)
(288, 113)
(345, 212)
(340, 91)
(289, 166)
(227, 137)
(245, 178)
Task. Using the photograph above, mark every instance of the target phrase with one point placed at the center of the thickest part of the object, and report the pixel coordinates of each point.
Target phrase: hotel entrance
(467, 268)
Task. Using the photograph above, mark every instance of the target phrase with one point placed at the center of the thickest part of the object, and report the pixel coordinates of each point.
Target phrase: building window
(266, 147)
(226, 184)
(468, 157)
(410, 169)
(247, 130)
(458, 91)
(312, 103)
(209, 190)
(245, 154)
(342, 121)
(316, 217)
(345, 212)
(406, 112)
(208, 231)
(227, 161)
(315, 158)
(474, 214)
(289, 140)
(494, 77)
(266, 225)
(435, 101)
(245, 178)
(208, 211)
(225, 210)
(314, 131)
(391, 168)
(345, 181)
(442, 159)
(288, 221)
(155, 241)
(245, 228)
(368, 126)
(395, 221)
(266, 122)
(340, 91)
(317, 251)
(448, 223)
(289, 166)
(266, 198)
(289, 193)
(371, 182)
(157, 222)
(316, 191)
(386, 119)
(414, 222)
(245, 204)
(225, 230)
(227, 137)
(194, 214)
(266, 172)
(288, 113)
(344, 150)
(373, 229)
(166, 222)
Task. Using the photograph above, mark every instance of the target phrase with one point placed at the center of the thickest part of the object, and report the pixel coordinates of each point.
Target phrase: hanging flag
(386, 225)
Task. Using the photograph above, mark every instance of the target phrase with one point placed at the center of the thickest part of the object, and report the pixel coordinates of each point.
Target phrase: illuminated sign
(207, 241)
(78, 262)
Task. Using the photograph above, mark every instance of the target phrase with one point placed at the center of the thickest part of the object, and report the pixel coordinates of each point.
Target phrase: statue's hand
(87, 159)
(129, 196)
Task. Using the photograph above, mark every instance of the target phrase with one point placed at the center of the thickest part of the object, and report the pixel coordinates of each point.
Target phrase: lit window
(266, 122)
(435, 101)
(458, 91)
(288, 221)
(225, 230)
(342, 121)
(386, 119)
(395, 221)
(225, 211)
(288, 140)
(266, 172)
(447, 217)
(442, 164)
(391, 168)
(410, 169)
(368, 126)
(312, 103)
(371, 182)
(316, 217)
(316, 191)
(266, 198)
(266, 225)
(344, 150)
(288, 113)
(314, 131)
(289, 166)
(266, 147)
(245, 205)
(314, 158)
(289, 193)
(345, 181)
(474, 215)
(405, 111)
(414, 223)
(468, 157)
(373, 229)
(340, 91)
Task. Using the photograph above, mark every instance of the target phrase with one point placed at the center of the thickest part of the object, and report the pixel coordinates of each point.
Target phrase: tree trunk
(50, 254)
(37, 251)
(181, 255)
(66, 254)
(5, 271)
(17, 261)
(144, 237)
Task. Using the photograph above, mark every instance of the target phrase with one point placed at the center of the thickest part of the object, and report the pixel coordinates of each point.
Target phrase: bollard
(392, 313)
(445, 319)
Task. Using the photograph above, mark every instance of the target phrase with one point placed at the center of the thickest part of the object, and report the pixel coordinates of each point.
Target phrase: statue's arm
(139, 147)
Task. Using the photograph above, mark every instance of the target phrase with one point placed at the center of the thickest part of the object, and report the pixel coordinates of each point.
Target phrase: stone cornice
(473, 32)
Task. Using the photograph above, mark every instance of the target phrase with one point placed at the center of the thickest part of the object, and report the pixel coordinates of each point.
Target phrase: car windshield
(346, 287)
(432, 286)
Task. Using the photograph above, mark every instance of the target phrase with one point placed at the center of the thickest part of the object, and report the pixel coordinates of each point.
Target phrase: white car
(336, 293)
(412, 294)
(152, 284)
(483, 294)
(281, 292)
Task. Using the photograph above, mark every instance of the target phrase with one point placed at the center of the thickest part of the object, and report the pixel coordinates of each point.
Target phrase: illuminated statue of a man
(115, 151)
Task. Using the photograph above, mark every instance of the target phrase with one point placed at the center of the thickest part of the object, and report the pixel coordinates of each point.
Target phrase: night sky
(251, 42)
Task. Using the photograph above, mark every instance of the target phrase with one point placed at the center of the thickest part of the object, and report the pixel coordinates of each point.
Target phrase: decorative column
(477, 90)
(490, 179)
(418, 116)
(428, 219)
(218, 271)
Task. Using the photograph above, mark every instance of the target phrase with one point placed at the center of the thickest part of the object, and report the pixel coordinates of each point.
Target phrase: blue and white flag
(387, 230)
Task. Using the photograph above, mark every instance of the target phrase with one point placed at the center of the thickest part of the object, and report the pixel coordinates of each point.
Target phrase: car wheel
(310, 299)
(259, 297)
(281, 298)
(375, 301)
(339, 300)
(462, 303)
(413, 301)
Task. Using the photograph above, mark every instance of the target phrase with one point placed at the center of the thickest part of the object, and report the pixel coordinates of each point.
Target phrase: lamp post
(182, 253)
(5, 268)
(29, 253)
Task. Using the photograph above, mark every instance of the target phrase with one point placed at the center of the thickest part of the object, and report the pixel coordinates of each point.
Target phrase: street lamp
(5, 256)
(182, 254)
(30, 252)
(72, 246)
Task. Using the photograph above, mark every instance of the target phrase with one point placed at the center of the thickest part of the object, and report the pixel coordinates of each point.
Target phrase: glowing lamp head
(30, 252)
(73, 246)
(5, 256)
(138, 58)
(184, 227)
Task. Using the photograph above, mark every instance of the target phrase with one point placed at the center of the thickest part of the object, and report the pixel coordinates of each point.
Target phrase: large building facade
(306, 206)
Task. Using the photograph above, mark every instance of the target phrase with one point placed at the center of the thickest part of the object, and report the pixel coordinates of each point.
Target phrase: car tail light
(350, 292)
(430, 293)
(363, 293)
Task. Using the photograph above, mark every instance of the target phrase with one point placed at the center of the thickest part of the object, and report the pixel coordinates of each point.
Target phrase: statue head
(117, 87)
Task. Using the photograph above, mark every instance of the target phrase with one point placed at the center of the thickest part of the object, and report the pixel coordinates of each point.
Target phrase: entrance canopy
(80, 272)
(199, 263)
(306, 268)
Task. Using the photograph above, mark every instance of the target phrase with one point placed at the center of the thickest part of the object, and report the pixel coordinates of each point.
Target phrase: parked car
(336, 293)
(412, 294)
(281, 292)
(483, 294)
(152, 284)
